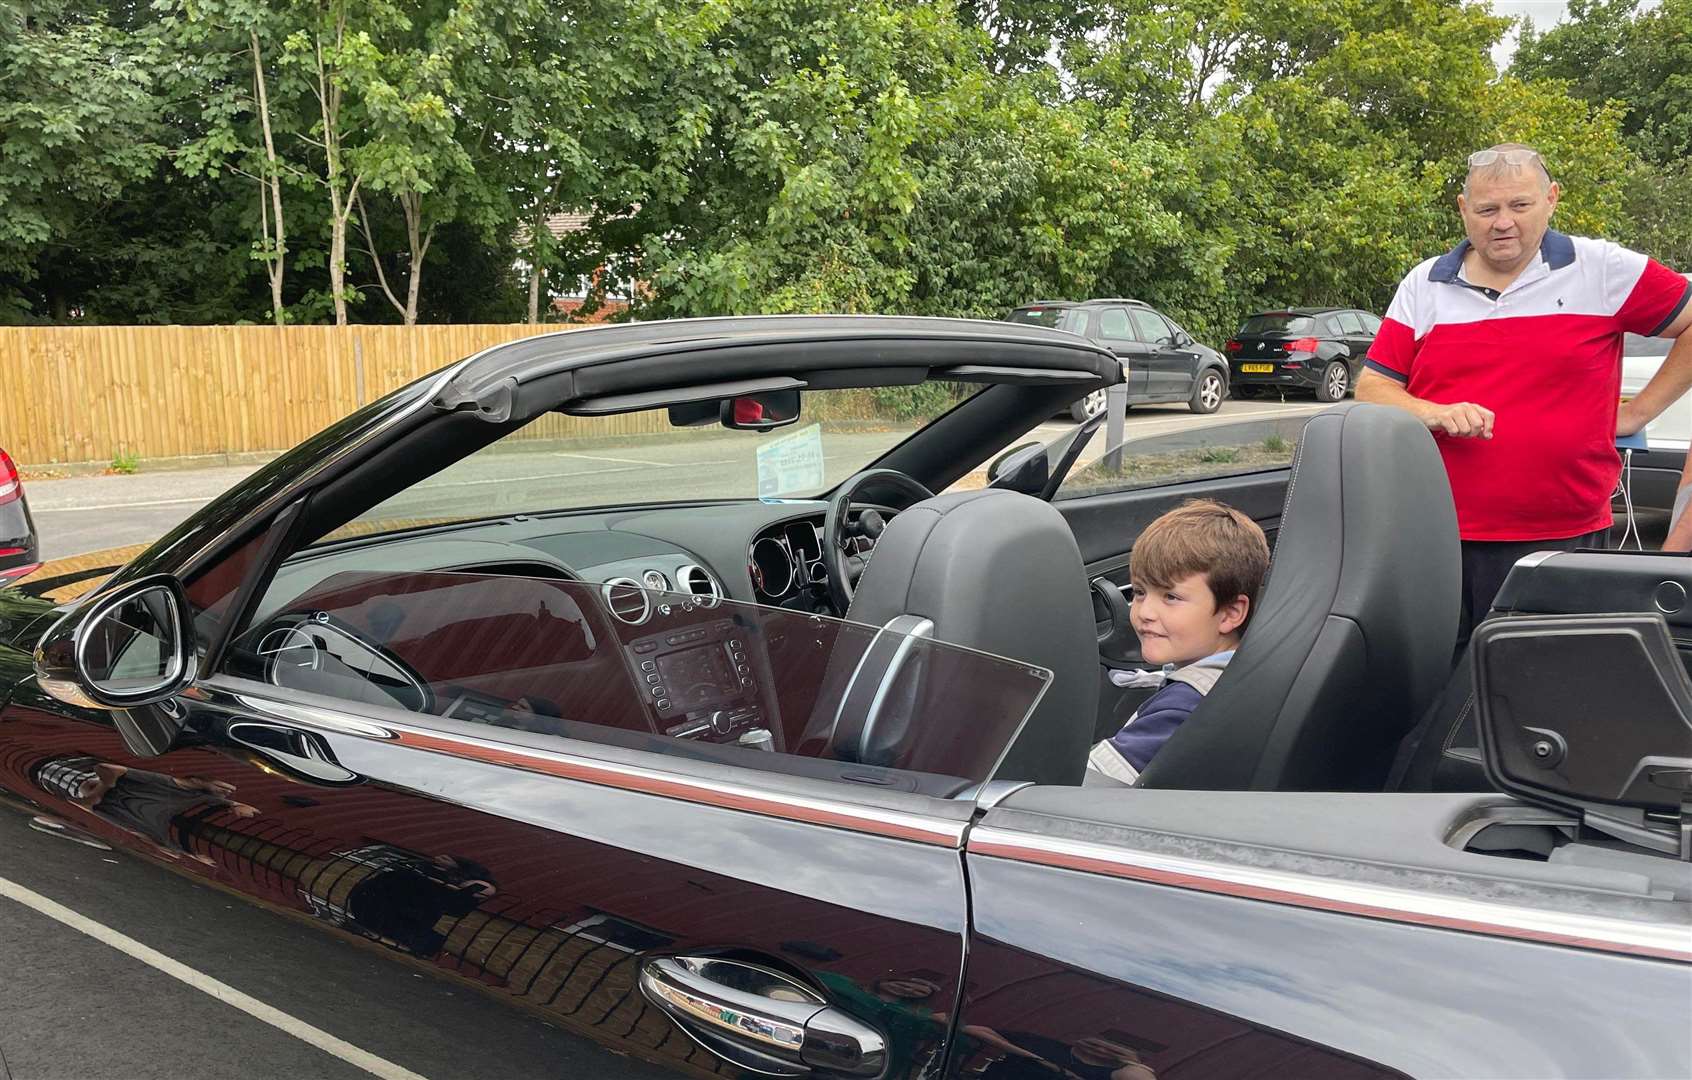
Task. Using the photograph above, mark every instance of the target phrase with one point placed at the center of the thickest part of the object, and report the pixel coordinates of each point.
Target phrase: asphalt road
(83, 514)
(74, 1008)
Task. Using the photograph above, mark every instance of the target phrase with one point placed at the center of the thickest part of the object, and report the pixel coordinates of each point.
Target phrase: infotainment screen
(697, 676)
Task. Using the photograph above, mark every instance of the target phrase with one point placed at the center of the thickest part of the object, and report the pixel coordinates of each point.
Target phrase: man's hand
(1464, 420)
(1630, 421)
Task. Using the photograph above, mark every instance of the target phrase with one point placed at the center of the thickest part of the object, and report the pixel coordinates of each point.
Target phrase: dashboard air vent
(627, 601)
(697, 582)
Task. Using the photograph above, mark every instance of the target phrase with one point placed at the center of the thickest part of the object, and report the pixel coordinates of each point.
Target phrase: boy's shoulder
(1202, 674)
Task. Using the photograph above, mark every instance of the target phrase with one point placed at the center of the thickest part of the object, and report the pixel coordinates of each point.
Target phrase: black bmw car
(1161, 362)
(619, 703)
(1315, 350)
(19, 545)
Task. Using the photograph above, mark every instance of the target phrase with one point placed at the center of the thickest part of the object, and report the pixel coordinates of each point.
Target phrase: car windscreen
(662, 669)
(562, 463)
(1640, 345)
(1279, 323)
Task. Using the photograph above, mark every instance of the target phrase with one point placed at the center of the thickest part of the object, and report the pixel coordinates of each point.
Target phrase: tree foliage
(398, 160)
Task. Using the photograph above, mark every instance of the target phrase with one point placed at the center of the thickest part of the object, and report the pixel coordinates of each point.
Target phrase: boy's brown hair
(1202, 536)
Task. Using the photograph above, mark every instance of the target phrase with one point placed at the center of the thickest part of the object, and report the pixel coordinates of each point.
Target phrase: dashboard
(539, 622)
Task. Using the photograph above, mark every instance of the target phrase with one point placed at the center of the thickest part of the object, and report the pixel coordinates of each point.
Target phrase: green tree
(79, 126)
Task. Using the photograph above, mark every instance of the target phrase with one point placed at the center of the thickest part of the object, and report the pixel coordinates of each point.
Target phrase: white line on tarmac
(276, 1018)
(604, 457)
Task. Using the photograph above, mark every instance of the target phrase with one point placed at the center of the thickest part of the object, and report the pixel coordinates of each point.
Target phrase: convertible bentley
(713, 698)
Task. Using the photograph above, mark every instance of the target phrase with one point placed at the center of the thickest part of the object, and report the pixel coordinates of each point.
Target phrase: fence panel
(89, 394)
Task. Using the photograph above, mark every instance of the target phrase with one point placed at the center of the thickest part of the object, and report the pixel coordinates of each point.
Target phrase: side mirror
(760, 412)
(1184, 339)
(129, 648)
(1613, 749)
(1021, 468)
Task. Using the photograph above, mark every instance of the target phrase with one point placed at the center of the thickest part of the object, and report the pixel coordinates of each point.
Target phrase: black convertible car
(663, 699)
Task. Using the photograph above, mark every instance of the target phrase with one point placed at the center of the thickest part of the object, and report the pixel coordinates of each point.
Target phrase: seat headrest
(999, 572)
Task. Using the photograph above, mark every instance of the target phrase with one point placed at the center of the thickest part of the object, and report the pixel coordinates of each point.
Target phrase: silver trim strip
(874, 820)
(1370, 900)
(1538, 557)
(913, 627)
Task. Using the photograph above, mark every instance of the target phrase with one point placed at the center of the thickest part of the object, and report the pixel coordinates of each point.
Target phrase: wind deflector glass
(659, 669)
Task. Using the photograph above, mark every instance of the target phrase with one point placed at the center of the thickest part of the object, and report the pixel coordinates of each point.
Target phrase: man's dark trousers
(1486, 563)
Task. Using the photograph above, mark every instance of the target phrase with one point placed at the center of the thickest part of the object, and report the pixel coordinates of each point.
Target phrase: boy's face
(1183, 622)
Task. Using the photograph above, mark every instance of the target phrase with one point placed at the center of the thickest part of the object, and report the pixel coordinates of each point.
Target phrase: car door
(1357, 338)
(630, 903)
(1170, 934)
(1117, 333)
(1170, 368)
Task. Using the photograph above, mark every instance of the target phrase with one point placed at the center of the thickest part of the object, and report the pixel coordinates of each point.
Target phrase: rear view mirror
(1590, 714)
(1022, 469)
(760, 412)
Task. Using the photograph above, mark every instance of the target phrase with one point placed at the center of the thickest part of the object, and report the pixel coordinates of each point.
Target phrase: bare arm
(1462, 419)
(1672, 380)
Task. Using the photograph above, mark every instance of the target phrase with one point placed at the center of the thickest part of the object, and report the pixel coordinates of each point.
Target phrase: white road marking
(299, 1029)
(39, 510)
(607, 457)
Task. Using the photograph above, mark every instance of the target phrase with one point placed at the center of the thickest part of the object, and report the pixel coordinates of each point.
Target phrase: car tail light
(16, 573)
(1303, 344)
(1232, 346)
(10, 485)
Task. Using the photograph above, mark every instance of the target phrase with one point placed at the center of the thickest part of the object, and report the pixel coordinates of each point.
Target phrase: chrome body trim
(814, 810)
(1347, 897)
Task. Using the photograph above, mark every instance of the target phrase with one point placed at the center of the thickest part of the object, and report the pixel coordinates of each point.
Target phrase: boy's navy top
(1126, 754)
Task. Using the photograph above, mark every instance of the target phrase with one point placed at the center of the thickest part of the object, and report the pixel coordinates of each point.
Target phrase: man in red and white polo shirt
(1509, 349)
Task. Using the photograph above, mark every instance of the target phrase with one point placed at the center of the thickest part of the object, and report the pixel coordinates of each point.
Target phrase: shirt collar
(1556, 250)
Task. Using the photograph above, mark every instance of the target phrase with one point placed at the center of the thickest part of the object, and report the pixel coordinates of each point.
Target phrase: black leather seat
(1354, 630)
(999, 572)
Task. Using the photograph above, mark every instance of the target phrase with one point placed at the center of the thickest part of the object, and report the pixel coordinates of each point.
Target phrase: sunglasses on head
(1480, 159)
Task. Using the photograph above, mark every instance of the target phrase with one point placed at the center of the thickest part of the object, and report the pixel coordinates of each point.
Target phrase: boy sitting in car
(1194, 573)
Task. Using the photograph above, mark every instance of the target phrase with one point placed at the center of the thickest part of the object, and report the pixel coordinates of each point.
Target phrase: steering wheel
(845, 567)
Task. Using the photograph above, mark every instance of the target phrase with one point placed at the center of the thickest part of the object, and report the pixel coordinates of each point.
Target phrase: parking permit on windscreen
(792, 463)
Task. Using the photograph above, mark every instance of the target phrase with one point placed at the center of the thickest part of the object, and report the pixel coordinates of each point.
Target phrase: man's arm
(1672, 380)
(1462, 419)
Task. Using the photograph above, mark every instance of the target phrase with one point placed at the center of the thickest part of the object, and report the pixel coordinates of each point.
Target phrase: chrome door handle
(301, 751)
(759, 1019)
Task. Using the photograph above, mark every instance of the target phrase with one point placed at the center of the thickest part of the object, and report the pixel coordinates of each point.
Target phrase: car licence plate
(1257, 367)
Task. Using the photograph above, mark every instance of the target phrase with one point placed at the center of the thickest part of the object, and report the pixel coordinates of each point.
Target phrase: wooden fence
(89, 394)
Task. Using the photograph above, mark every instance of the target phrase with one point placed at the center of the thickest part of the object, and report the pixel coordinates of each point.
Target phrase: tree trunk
(276, 267)
(534, 293)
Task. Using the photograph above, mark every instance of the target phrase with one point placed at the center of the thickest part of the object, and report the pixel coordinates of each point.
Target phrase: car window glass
(1113, 325)
(1350, 323)
(1176, 458)
(1150, 326)
(1327, 326)
(645, 668)
(1371, 325)
(1278, 323)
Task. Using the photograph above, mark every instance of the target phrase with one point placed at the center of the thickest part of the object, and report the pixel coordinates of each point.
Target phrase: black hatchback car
(1161, 361)
(18, 545)
(1316, 349)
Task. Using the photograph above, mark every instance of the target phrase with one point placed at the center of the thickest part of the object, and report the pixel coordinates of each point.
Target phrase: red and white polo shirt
(1545, 356)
